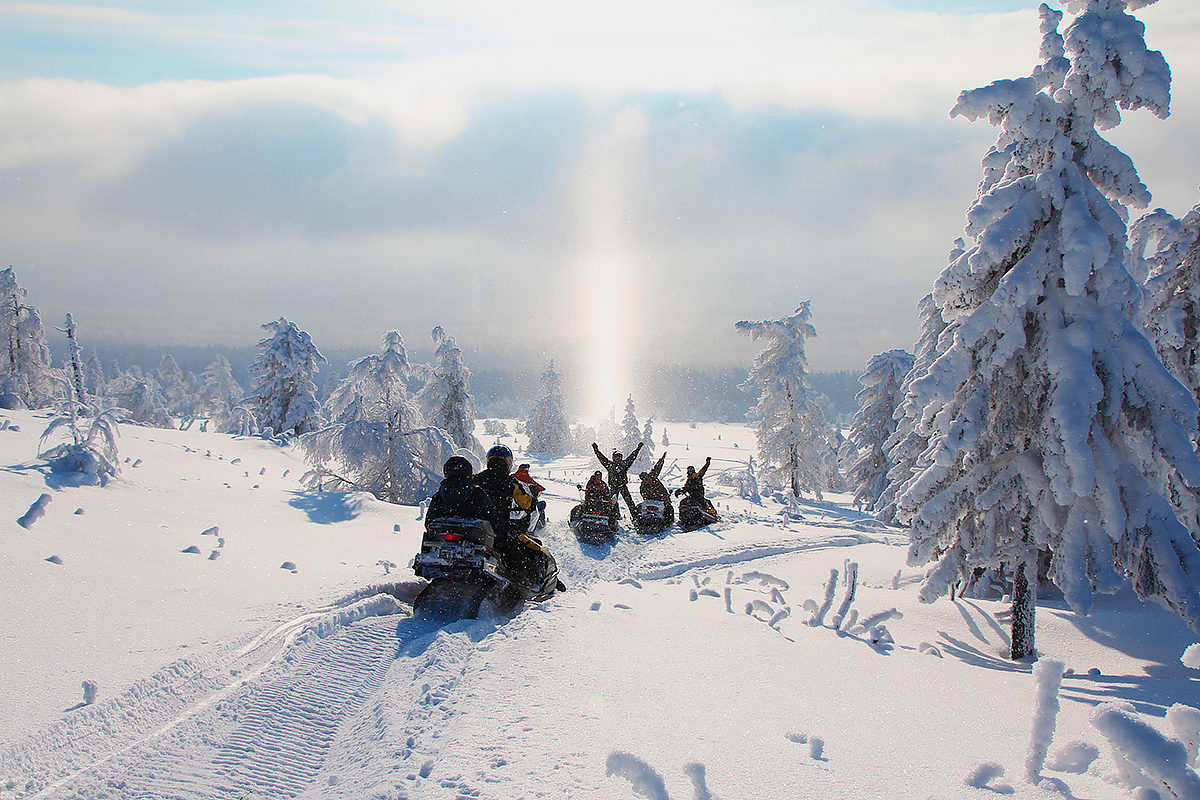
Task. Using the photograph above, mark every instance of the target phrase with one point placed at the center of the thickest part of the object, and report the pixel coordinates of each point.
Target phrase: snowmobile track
(266, 741)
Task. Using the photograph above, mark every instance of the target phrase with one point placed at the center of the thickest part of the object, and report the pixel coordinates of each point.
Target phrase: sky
(593, 184)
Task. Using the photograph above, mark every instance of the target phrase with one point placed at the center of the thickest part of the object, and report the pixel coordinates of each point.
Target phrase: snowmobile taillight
(451, 537)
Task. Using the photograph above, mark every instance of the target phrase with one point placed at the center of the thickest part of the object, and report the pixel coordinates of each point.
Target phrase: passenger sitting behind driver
(460, 497)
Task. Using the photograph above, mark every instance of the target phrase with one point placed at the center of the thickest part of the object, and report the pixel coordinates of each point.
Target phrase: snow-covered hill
(676, 666)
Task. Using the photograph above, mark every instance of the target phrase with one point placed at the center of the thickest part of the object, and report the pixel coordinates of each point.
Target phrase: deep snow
(676, 666)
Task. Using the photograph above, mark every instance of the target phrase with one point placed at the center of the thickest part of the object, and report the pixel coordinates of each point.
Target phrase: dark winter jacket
(694, 486)
(618, 469)
(461, 497)
(652, 487)
(498, 485)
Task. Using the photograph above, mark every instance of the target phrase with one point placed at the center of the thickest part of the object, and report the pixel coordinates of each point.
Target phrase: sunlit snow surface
(678, 666)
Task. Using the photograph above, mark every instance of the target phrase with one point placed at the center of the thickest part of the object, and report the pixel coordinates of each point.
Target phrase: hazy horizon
(596, 188)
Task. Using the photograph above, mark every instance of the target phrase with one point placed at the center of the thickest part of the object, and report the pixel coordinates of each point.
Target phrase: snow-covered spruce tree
(25, 369)
(791, 431)
(75, 355)
(648, 441)
(909, 440)
(1047, 406)
(631, 437)
(1170, 316)
(93, 455)
(284, 399)
(547, 426)
(375, 442)
(181, 399)
(93, 376)
(1171, 277)
(138, 398)
(874, 424)
(445, 401)
(219, 391)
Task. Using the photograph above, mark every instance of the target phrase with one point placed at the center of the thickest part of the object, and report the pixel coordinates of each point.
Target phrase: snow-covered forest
(994, 546)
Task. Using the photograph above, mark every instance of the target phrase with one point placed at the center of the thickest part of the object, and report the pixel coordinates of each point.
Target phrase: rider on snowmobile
(461, 497)
(532, 488)
(693, 487)
(651, 487)
(519, 551)
(618, 473)
(598, 498)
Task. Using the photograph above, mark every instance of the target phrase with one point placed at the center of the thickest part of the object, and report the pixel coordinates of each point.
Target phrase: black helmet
(457, 467)
(616, 455)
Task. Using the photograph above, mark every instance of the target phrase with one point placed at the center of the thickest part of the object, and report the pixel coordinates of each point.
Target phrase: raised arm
(604, 461)
(629, 459)
(657, 468)
(700, 472)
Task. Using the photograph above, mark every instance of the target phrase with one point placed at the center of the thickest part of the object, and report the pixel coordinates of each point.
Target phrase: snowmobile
(652, 516)
(695, 513)
(595, 522)
(468, 576)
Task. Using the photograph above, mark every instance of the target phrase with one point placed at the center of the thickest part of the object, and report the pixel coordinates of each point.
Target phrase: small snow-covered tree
(631, 437)
(93, 455)
(93, 376)
(1047, 408)
(547, 426)
(445, 401)
(874, 424)
(791, 431)
(138, 398)
(375, 442)
(26, 371)
(284, 399)
(181, 400)
(75, 356)
(219, 391)
(648, 441)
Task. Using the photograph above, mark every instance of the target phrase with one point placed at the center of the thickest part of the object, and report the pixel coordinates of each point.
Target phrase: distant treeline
(667, 391)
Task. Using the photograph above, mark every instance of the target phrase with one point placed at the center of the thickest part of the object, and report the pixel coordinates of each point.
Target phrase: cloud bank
(506, 174)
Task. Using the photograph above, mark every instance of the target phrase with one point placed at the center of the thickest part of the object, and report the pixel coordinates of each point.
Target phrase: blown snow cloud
(179, 176)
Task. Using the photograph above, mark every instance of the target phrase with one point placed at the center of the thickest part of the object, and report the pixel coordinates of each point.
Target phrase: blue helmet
(501, 452)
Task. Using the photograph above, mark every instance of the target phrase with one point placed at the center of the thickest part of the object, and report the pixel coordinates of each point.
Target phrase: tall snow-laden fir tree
(26, 371)
(792, 434)
(445, 401)
(874, 424)
(547, 426)
(1047, 408)
(376, 442)
(284, 399)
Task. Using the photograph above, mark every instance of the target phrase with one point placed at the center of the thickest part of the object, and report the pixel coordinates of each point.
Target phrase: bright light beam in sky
(607, 278)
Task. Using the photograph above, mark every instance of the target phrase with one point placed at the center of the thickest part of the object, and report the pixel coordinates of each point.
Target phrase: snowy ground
(675, 666)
